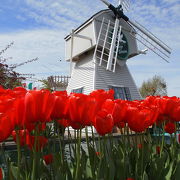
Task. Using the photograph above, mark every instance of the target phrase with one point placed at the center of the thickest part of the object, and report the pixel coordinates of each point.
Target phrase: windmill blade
(118, 12)
(102, 49)
(150, 41)
(153, 35)
(125, 4)
(106, 3)
(113, 44)
(142, 35)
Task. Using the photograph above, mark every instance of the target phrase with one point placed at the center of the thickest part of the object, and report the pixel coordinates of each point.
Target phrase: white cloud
(21, 18)
(64, 14)
(47, 45)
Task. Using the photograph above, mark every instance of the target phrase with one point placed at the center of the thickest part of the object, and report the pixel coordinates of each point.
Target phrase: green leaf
(111, 169)
(88, 169)
(59, 176)
(145, 176)
(169, 174)
(14, 170)
(177, 172)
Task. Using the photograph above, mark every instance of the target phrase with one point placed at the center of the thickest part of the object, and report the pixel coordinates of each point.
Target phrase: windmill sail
(125, 4)
(108, 44)
(111, 57)
(149, 40)
(142, 34)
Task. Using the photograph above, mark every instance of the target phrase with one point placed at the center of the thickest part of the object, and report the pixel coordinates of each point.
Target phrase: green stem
(19, 152)
(126, 150)
(175, 136)
(100, 149)
(110, 136)
(149, 137)
(69, 142)
(99, 167)
(142, 157)
(93, 137)
(60, 146)
(100, 145)
(91, 163)
(162, 143)
(128, 137)
(33, 177)
(78, 155)
(136, 164)
(75, 138)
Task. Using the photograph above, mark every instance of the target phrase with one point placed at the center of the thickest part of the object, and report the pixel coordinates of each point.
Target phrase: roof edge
(88, 21)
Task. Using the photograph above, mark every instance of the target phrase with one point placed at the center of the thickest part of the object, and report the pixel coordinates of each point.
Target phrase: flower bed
(41, 150)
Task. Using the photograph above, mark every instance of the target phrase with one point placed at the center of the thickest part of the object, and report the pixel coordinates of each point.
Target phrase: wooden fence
(58, 82)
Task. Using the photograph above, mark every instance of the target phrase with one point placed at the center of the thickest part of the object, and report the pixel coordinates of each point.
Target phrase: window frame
(78, 90)
(125, 92)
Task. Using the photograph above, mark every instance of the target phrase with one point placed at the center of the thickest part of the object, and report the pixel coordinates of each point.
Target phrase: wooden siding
(122, 77)
(83, 74)
(80, 45)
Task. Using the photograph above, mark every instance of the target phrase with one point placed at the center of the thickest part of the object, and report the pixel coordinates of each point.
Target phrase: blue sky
(38, 28)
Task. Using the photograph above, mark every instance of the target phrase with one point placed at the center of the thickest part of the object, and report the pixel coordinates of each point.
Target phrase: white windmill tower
(99, 48)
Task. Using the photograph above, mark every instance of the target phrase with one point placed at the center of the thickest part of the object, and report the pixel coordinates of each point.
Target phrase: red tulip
(139, 146)
(26, 139)
(6, 126)
(64, 122)
(118, 109)
(31, 126)
(48, 159)
(98, 153)
(6, 116)
(140, 118)
(101, 96)
(2, 90)
(6, 103)
(59, 110)
(81, 109)
(175, 114)
(130, 179)
(170, 127)
(1, 174)
(121, 124)
(104, 123)
(22, 136)
(38, 106)
(76, 107)
(158, 149)
(19, 92)
(41, 142)
(19, 112)
(166, 106)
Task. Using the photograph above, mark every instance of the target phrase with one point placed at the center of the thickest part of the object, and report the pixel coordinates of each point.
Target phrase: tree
(46, 84)
(156, 86)
(9, 78)
(55, 82)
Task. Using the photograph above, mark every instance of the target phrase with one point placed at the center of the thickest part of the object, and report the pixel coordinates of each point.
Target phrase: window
(78, 90)
(121, 92)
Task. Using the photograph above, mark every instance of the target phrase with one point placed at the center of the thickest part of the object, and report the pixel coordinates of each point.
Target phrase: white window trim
(117, 85)
(121, 86)
(78, 88)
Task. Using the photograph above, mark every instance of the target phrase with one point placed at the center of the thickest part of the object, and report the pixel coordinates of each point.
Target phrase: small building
(87, 48)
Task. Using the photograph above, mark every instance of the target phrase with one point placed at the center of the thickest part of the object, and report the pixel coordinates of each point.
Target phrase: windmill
(99, 48)
(141, 34)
